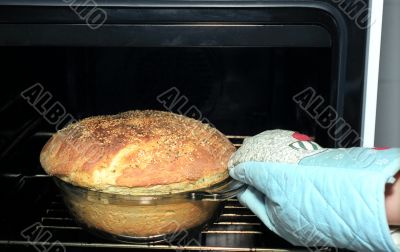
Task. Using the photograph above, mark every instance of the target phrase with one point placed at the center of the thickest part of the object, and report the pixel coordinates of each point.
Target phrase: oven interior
(242, 91)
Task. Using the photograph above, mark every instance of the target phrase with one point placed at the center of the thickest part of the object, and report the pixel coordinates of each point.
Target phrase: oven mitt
(312, 196)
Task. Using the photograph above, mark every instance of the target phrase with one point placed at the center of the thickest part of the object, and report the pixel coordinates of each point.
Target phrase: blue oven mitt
(316, 197)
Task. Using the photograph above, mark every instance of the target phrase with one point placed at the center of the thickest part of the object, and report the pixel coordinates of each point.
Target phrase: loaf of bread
(138, 152)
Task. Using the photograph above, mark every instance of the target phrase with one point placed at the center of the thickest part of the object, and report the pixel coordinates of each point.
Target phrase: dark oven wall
(242, 91)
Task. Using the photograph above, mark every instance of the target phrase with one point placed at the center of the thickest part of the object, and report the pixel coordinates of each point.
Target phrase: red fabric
(382, 148)
(301, 137)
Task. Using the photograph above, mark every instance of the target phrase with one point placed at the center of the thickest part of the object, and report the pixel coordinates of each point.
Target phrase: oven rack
(235, 222)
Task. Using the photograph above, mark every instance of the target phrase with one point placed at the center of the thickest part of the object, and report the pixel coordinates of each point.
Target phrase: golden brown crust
(154, 150)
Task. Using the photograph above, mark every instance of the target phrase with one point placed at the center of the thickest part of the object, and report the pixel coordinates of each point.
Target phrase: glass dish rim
(223, 190)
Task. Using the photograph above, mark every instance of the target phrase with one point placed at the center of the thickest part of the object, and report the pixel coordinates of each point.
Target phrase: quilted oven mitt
(312, 196)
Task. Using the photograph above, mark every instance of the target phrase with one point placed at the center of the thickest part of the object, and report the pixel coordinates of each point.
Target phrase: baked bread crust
(138, 152)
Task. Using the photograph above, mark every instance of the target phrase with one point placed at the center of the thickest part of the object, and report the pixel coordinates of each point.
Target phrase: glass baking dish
(147, 218)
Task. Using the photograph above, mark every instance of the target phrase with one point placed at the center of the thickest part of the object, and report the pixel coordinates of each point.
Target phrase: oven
(242, 66)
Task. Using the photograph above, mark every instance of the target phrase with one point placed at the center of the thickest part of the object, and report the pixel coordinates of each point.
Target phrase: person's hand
(313, 196)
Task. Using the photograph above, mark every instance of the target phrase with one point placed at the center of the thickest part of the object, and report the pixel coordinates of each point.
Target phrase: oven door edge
(371, 74)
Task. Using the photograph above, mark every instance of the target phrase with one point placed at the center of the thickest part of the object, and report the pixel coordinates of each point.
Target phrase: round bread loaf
(138, 152)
